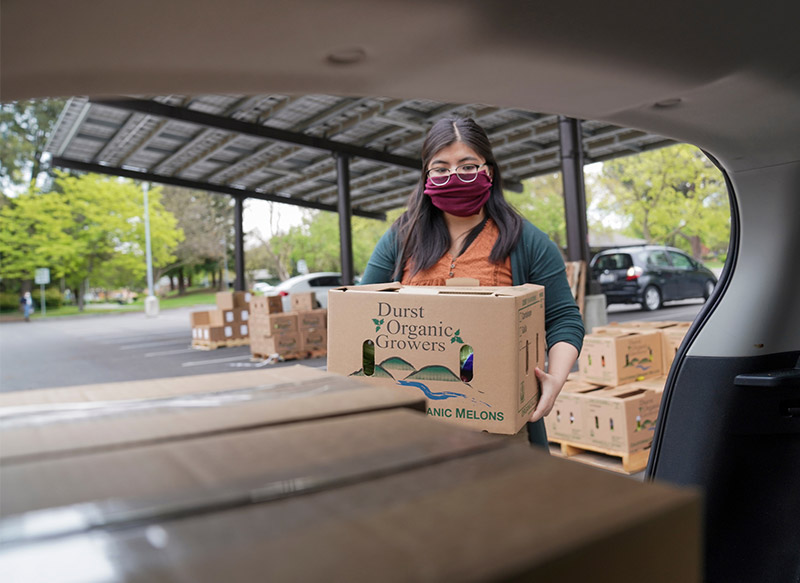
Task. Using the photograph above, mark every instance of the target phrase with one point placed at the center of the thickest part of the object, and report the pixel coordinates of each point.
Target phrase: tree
(206, 220)
(316, 241)
(90, 225)
(542, 203)
(25, 127)
(672, 196)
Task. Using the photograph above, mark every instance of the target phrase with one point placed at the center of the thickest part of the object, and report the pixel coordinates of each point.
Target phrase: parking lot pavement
(681, 311)
(60, 352)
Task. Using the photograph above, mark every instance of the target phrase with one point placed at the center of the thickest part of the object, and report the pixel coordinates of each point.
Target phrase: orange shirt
(474, 263)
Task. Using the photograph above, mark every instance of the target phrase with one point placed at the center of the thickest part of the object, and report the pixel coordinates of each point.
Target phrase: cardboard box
(672, 338)
(656, 384)
(286, 343)
(313, 339)
(312, 319)
(163, 410)
(202, 334)
(232, 300)
(199, 319)
(273, 324)
(471, 351)
(616, 357)
(220, 317)
(621, 419)
(303, 301)
(567, 419)
(266, 304)
(444, 509)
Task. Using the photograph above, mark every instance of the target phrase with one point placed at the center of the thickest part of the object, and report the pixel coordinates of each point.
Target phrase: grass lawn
(193, 297)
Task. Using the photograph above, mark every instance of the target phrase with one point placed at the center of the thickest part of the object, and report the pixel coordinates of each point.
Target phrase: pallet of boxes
(299, 333)
(228, 325)
(610, 406)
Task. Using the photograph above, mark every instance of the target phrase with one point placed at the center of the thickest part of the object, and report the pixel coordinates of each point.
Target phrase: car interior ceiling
(725, 80)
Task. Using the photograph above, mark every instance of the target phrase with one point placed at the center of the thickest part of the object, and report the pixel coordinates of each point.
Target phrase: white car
(263, 288)
(319, 282)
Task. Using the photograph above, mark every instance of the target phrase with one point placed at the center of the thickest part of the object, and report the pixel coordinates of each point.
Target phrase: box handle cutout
(631, 394)
(466, 360)
(527, 357)
(368, 358)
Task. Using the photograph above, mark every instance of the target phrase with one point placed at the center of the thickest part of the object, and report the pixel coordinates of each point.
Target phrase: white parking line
(169, 352)
(216, 360)
(182, 340)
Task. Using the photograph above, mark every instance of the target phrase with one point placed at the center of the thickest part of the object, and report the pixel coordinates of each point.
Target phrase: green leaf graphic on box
(378, 324)
(380, 373)
(434, 372)
(457, 337)
(396, 363)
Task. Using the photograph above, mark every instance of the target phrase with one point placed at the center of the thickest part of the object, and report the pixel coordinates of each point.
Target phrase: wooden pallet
(301, 355)
(207, 345)
(615, 461)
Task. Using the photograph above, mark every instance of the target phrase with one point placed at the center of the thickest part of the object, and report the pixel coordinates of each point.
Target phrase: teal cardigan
(534, 259)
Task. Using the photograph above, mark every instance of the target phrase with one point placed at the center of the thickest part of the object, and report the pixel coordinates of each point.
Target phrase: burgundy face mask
(462, 199)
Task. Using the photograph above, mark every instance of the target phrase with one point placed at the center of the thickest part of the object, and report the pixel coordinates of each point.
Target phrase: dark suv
(650, 275)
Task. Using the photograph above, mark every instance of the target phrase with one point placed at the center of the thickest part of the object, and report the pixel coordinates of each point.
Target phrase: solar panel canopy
(284, 147)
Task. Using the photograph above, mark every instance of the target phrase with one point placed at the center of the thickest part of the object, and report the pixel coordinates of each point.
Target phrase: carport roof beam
(218, 188)
(215, 121)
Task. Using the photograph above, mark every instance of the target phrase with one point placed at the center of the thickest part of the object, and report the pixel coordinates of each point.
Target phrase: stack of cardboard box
(228, 325)
(611, 404)
(295, 334)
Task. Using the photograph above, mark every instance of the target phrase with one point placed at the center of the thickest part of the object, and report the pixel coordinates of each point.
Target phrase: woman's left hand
(551, 387)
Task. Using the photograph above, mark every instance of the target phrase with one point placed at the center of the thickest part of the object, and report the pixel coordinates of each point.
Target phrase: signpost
(42, 277)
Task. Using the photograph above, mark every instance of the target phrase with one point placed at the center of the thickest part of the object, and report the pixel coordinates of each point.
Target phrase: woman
(458, 224)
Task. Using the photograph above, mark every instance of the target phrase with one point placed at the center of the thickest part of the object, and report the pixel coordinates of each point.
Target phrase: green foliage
(671, 196)
(25, 127)
(542, 203)
(9, 301)
(316, 241)
(90, 225)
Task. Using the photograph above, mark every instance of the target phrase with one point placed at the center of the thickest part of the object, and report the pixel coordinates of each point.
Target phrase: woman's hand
(551, 387)
(562, 357)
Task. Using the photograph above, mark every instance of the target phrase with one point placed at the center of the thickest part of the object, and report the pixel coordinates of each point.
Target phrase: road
(60, 352)
(111, 347)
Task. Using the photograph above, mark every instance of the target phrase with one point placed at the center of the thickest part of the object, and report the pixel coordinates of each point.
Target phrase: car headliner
(723, 77)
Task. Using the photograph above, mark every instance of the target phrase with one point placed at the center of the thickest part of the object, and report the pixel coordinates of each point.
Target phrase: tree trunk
(697, 247)
(181, 284)
(81, 293)
(213, 279)
(189, 279)
(171, 283)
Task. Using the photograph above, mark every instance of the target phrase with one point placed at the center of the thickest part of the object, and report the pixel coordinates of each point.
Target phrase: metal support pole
(151, 301)
(574, 189)
(238, 249)
(345, 214)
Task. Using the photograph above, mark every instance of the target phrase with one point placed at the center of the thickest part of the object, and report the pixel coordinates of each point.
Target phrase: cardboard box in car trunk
(615, 357)
(567, 420)
(672, 338)
(471, 351)
(181, 408)
(389, 499)
(621, 419)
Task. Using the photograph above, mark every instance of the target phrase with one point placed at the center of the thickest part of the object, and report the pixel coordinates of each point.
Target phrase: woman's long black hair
(421, 230)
